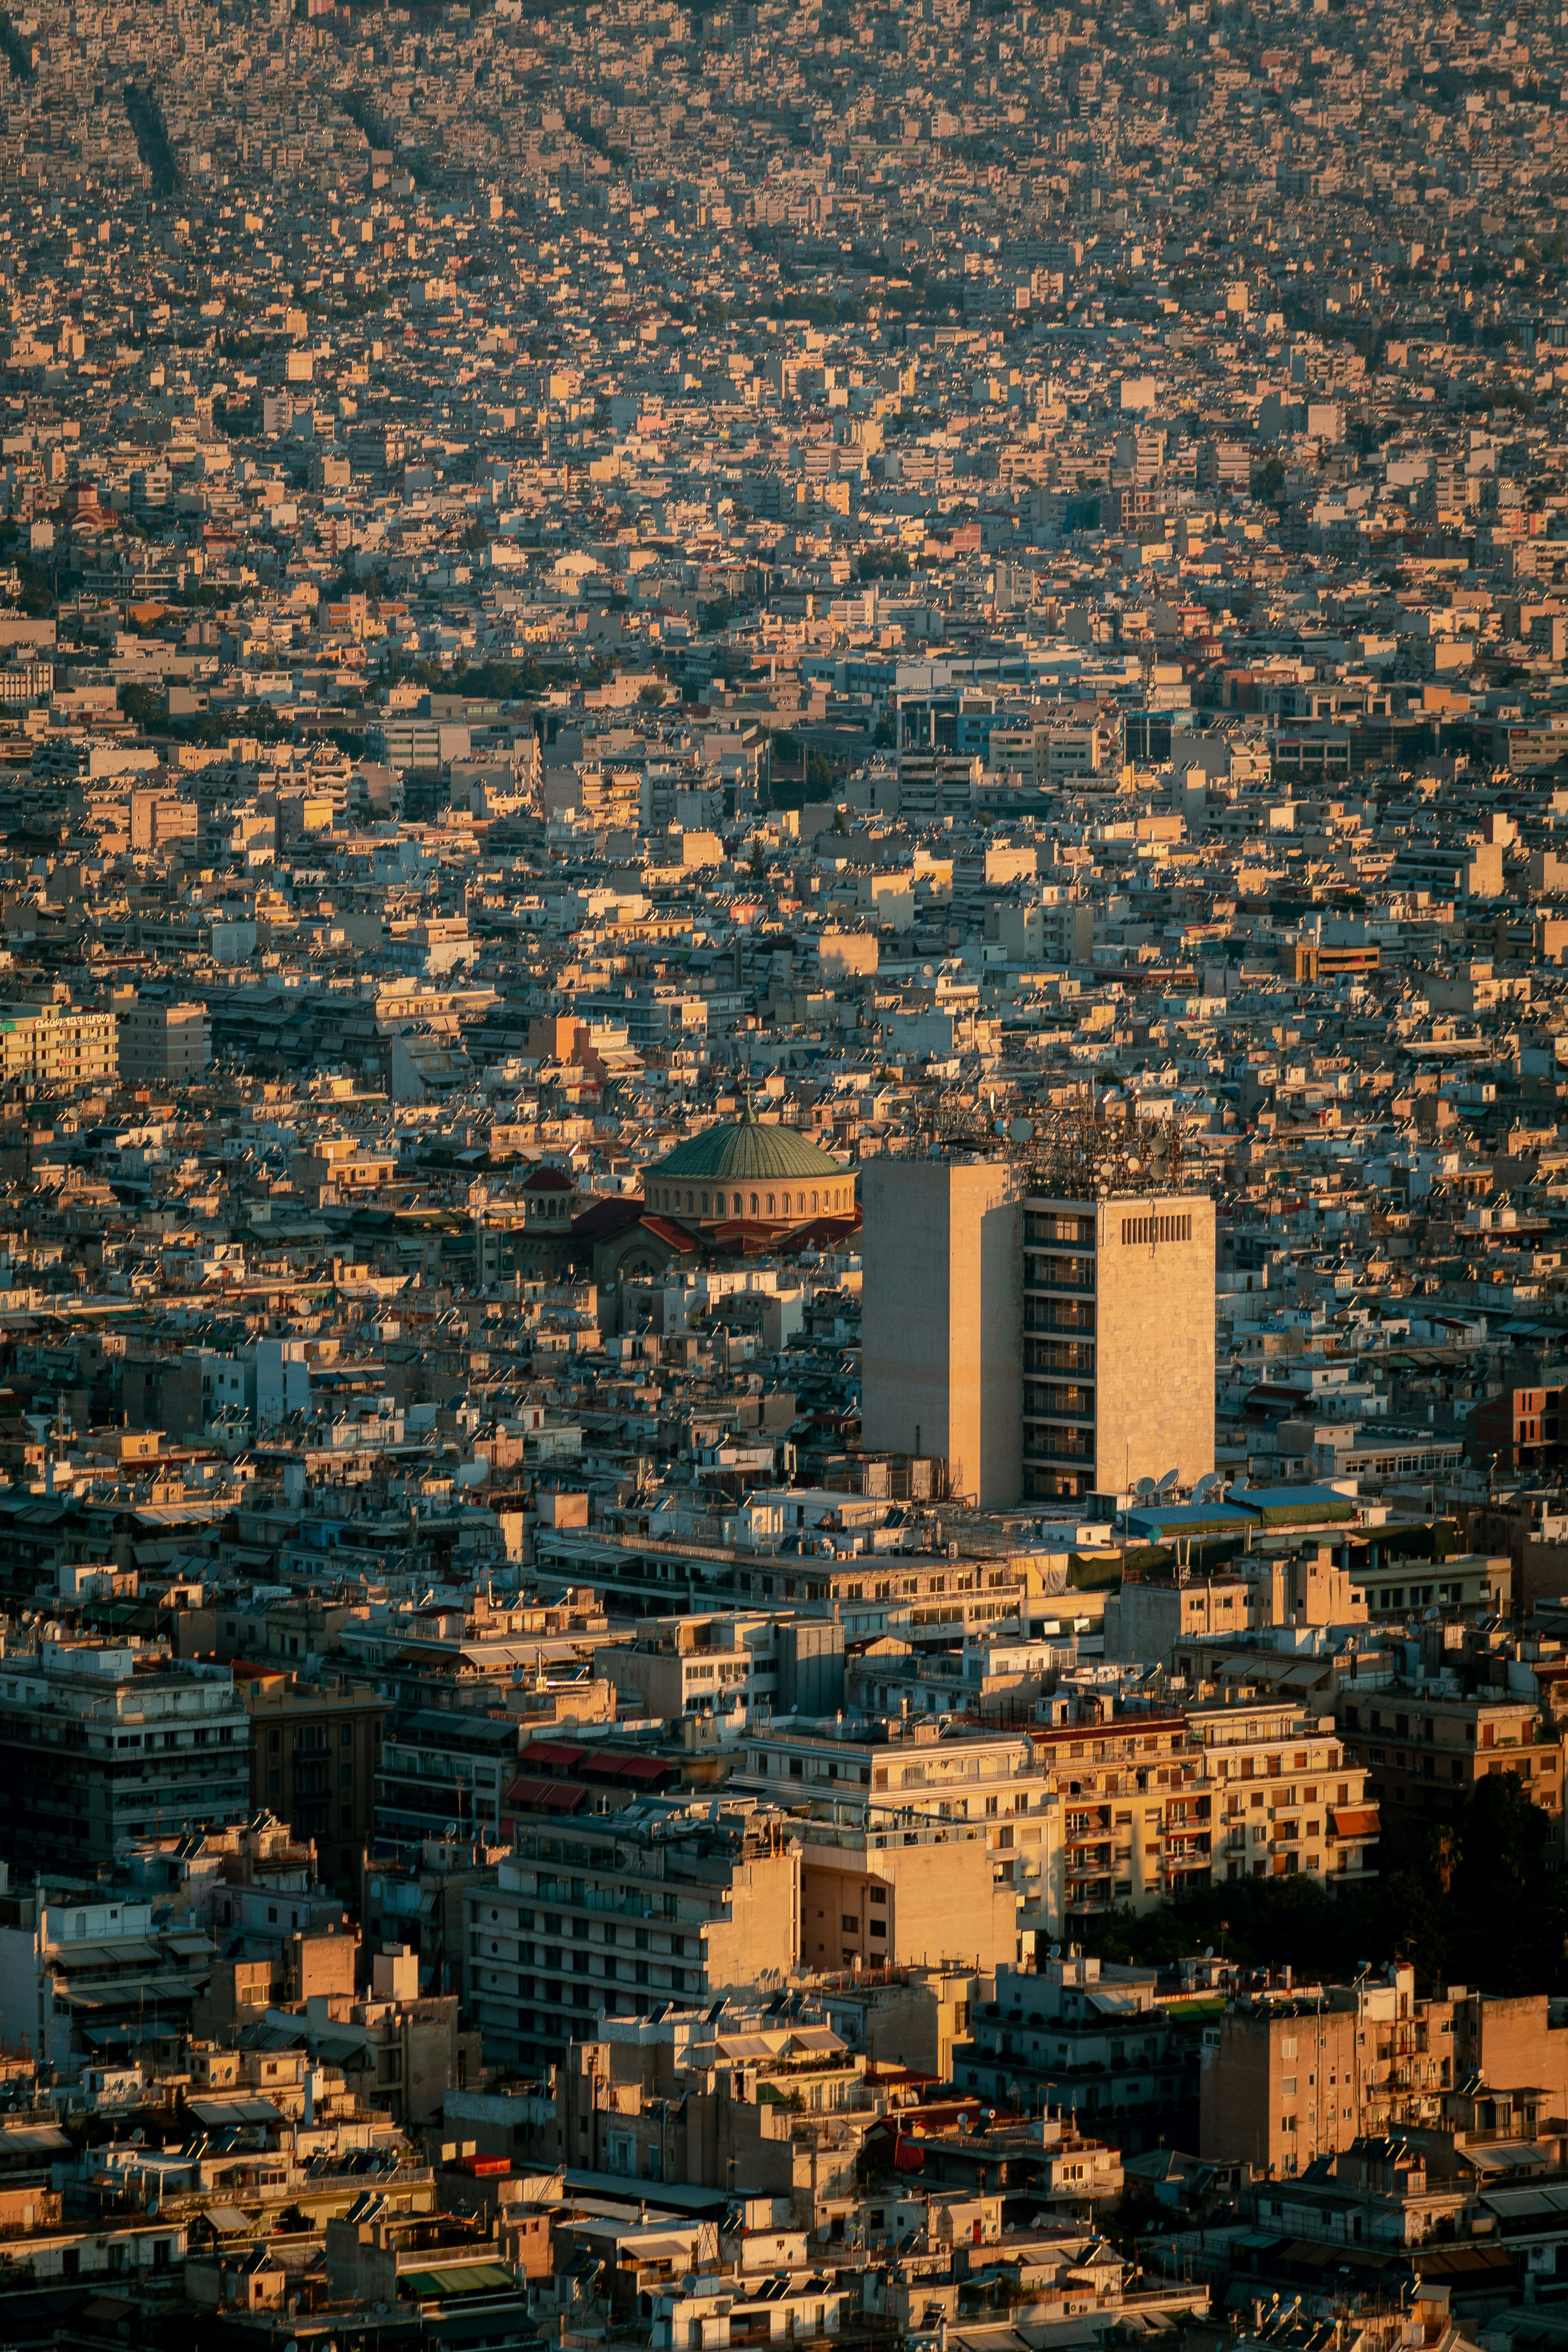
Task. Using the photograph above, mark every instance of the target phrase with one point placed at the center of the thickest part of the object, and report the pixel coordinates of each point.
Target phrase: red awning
(626, 1767)
(530, 1793)
(1354, 1823)
(552, 1751)
(909, 2157)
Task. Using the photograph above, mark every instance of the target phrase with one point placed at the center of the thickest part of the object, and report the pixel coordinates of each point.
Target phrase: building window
(1136, 1231)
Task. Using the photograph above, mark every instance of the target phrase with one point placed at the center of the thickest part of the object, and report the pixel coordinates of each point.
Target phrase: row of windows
(1059, 1272)
(598, 1899)
(1072, 1400)
(1078, 1232)
(1378, 1720)
(835, 1199)
(1060, 1445)
(578, 1964)
(1058, 1315)
(1056, 1485)
(171, 1738)
(1059, 1355)
(313, 1740)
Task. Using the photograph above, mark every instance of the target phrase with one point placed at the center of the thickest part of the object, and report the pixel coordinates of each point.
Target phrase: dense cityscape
(783, 1178)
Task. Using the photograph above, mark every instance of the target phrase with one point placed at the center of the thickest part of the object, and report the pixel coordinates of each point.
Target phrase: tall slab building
(940, 1328)
(1118, 1342)
(1047, 1348)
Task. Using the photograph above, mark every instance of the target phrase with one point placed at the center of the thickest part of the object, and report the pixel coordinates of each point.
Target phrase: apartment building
(863, 1588)
(1076, 2034)
(616, 1914)
(159, 818)
(55, 1044)
(1134, 1819)
(101, 1741)
(1474, 1583)
(444, 1772)
(884, 1896)
(930, 1773)
(1181, 1614)
(1118, 1342)
(1425, 1750)
(697, 1664)
(315, 1750)
(1284, 1797)
(162, 1043)
(83, 1972)
(1302, 2073)
(1047, 1348)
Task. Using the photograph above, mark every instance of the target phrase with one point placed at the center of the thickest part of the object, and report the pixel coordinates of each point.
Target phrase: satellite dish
(1206, 1485)
(1208, 1951)
(1168, 1481)
(1022, 1131)
(1145, 1487)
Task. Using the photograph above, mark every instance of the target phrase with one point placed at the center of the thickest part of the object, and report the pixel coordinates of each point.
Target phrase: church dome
(749, 1153)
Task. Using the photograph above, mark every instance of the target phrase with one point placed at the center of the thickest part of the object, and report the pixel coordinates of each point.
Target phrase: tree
(652, 694)
(819, 776)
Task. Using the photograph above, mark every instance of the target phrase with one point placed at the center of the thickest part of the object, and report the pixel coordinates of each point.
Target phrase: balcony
(1072, 1274)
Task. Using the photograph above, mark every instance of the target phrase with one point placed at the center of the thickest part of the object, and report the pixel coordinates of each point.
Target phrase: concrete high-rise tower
(940, 1333)
(1047, 1348)
(1118, 1342)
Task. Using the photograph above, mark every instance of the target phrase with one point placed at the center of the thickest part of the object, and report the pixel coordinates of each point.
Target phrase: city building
(106, 1741)
(315, 1756)
(1117, 1342)
(612, 1916)
(167, 1044)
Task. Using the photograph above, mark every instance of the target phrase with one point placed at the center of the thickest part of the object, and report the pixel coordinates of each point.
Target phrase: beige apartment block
(55, 1045)
(593, 1917)
(1119, 1341)
(1147, 1618)
(160, 1042)
(992, 1780)
(939, 1319)
(1305, 2073)
(1134, 1819)
(1287, 1799)
(905, 1898)
(1279, 2086)
(1048, 1349)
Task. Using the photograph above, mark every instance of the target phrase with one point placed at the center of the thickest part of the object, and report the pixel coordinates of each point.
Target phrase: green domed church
(736, 1191)
(773, 1178)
